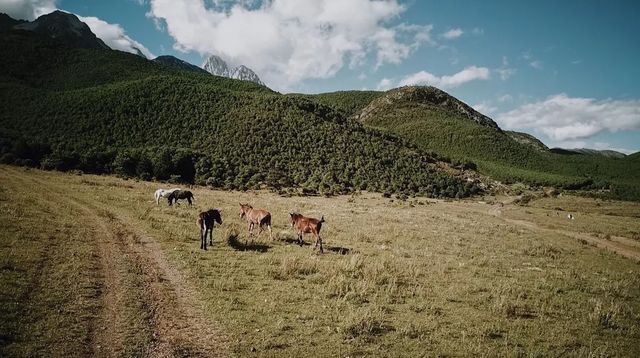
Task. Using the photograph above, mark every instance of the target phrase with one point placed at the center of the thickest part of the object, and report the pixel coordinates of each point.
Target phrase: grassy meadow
(90, 265)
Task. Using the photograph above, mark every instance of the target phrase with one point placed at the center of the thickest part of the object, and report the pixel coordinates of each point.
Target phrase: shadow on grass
(339, 250)
(294, 241)
(232, 240)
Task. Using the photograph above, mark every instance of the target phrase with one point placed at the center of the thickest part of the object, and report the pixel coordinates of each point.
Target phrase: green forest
(451, 134)
(105, 111)
(102, 111)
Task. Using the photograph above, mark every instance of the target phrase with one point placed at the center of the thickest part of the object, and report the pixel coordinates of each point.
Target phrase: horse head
(217, 217)
(244, 209)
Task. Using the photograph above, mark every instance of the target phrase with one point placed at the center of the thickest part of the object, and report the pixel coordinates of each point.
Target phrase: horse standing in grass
(180, 194)
(304, 225)
(163, 193)
(254, 217)
(206, 221)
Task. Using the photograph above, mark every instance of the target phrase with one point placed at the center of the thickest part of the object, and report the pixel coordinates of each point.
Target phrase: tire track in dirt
(177, 320)
(620, 245)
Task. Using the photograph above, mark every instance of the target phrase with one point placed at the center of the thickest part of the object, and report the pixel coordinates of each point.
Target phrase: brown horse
(304, 225)
(206, 221)
(180, 194)
(254, 217)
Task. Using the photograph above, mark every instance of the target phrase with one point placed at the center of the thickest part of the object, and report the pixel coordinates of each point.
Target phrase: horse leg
(320, 241)
(204, 238)
(201, 238)
(270, 233)
(189, 200)
(300, 242)
(211, 237)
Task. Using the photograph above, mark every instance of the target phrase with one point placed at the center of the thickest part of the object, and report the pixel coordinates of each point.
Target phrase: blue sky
(564, 71)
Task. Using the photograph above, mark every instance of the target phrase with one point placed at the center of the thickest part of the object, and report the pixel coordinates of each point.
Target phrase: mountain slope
(65, 27)
(527, 139)
(7, 22)
(177, 63)
(100, 111)
(436, 121)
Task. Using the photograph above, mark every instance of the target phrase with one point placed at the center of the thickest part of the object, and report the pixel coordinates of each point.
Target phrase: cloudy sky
(564, 71)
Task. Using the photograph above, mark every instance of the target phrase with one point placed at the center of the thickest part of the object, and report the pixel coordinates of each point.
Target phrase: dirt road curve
(141, 293)
(620, 245)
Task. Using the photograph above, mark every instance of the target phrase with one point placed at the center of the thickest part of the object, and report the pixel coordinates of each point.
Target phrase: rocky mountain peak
(217, 66)
(65, 27)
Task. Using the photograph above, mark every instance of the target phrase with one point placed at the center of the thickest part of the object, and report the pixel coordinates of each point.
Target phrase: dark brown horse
(180, 194)
(304, 225)
(206, 221)
(254, 217)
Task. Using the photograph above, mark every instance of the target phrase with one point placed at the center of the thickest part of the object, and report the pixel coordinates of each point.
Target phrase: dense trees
(108, 112)
(450, 133)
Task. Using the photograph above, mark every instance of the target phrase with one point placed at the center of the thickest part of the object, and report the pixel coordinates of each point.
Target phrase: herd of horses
(254, 217)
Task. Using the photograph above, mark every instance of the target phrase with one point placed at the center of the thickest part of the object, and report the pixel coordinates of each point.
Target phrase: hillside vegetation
(434, 121)
(104, 111)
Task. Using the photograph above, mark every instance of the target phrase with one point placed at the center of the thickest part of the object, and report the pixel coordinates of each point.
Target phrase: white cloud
(564, 118)
(424, 78)
(477, 31)
(536, 64)
(112, 34)
(485, 108)
(453, 34)
(384, 84)
(288, 41)
(467, 75)
(505, 71)
(27, 9)
(505, 98)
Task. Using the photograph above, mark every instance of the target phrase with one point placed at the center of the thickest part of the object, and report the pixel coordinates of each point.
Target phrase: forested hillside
(105, 111)
(436, 122)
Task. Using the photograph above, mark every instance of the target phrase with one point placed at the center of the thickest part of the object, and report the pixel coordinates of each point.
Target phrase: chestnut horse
(254, 217)
(206, 221)
(304, 225)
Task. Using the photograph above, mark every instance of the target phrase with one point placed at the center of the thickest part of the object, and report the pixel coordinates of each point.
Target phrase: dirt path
(620, 245)
(142, 292)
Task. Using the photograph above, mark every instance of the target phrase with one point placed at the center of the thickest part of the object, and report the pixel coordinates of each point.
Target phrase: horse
(206, 221)
(258, 217)
(163, 193)
(304, 225)
(180, 194)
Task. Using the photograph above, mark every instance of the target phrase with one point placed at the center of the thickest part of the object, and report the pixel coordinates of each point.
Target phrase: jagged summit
(425, 95)
(218, 67)
(65, 27)
(244, 73)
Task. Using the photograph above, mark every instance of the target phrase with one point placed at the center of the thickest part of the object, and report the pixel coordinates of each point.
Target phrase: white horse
(163, 193)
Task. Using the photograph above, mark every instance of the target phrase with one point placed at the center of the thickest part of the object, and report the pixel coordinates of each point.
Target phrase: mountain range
(105, 111)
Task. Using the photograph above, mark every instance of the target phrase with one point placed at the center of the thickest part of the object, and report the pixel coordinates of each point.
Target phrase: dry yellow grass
(414, 278)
